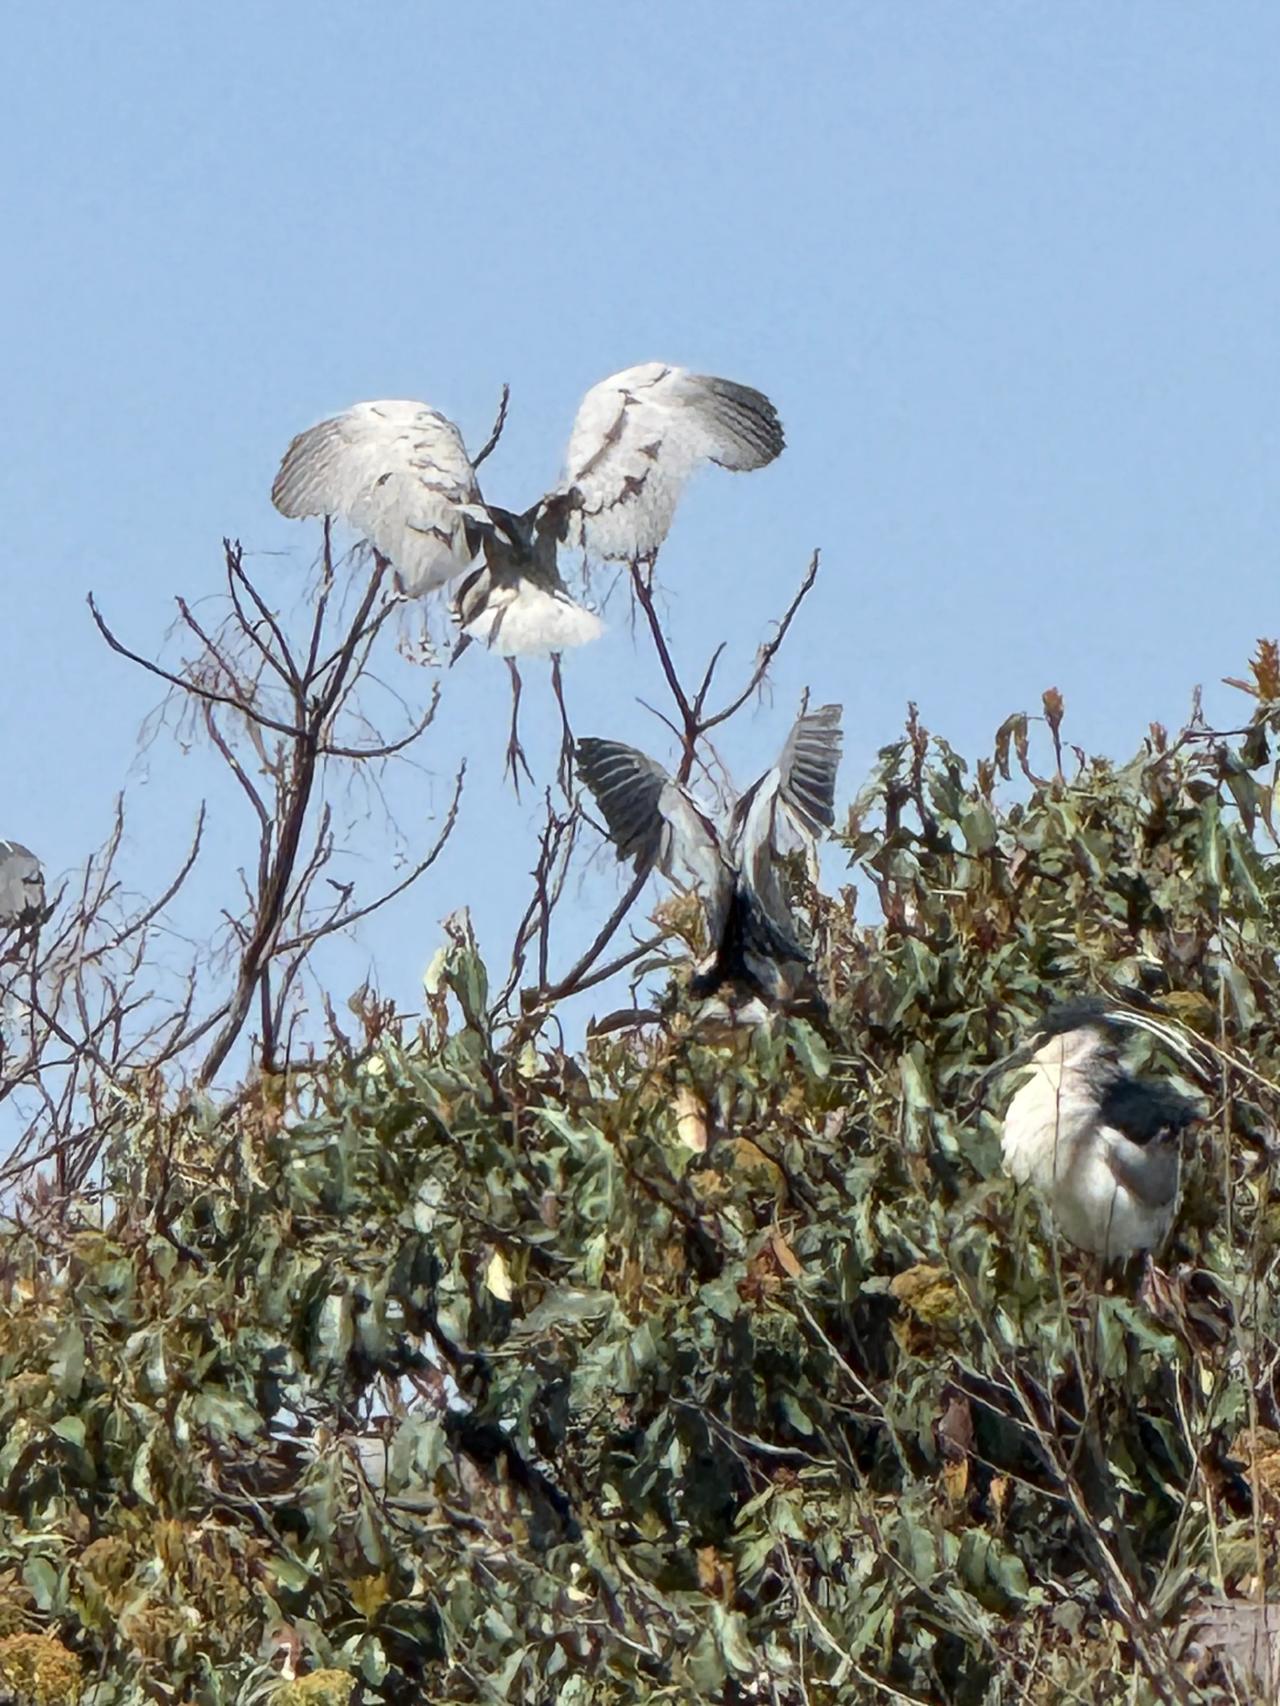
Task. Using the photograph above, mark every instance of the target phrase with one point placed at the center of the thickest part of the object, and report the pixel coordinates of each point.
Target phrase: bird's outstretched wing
(400, 474)
(21, 884)
(637, 438)
(652, 820)
(629, 789)
(795, 801)
(791, 805)
(807, 771)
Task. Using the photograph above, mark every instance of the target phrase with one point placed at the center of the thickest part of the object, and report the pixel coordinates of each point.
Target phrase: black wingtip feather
(751, 417)
(627, 787)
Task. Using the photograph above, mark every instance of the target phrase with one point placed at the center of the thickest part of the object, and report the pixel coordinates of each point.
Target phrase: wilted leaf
(496, 1277)
(691, 1122)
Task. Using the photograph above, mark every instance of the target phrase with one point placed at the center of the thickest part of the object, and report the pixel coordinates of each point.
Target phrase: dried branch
(767, 652)
(491, 443)
(184, 682)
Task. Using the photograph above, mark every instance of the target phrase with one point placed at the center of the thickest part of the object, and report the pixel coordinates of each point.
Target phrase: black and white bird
(752, 937)
(21, 886)
(1100, 1143)
(400, 474)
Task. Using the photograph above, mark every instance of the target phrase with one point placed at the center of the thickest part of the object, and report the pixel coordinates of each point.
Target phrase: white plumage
(21, 885)
(637, 438)
(526, 621)
(654, 820)
(400, 474)
(1101, 1145)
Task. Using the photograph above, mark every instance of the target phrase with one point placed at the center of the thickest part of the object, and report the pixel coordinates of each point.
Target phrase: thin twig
(490, 444)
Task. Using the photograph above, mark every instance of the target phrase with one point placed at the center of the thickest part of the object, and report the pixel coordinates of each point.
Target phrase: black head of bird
(1101, 1143)
(733, 866)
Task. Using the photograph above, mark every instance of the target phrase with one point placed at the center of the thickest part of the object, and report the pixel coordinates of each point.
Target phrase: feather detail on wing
(525, 621)
(794, 802)
(791, 804)
(21, 884)
(807, 771)
(653, 821)
(628, 788)
(637, 438)
(400, 474)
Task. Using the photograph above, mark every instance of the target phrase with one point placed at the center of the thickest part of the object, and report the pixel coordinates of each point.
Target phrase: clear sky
(1010, 272)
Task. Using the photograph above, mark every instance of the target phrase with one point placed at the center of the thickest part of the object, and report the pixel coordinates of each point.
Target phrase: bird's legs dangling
(564, 769)
(516, 760)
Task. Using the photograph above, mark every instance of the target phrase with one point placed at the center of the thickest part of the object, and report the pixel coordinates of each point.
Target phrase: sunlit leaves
(721, 1362)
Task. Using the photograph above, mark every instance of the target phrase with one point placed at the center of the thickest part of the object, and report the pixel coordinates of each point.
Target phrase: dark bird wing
(1146, 1110)
(637, 438)
(791, 806)
(399, 473)
(21, 884)
(807, 771)
(653, 821)
(794, 803)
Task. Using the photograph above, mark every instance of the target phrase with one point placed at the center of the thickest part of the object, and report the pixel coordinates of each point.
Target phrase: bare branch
(769, 651)
(184, 682)
(491, 443)
(571, 982)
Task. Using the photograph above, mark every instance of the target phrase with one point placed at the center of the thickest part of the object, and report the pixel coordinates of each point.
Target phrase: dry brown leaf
(691, 1120)
(998, 1496)
(928, 1291)
(785, 1256)
(715, 1574)
(955, 1481)
(369, 1594)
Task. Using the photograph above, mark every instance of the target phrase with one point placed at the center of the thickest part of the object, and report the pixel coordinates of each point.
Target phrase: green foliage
(710, 1364)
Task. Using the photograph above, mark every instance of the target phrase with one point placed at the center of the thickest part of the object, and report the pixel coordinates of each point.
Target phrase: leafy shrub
(707, 1362)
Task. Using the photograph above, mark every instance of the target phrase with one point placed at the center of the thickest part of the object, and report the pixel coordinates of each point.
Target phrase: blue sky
(1011, 273)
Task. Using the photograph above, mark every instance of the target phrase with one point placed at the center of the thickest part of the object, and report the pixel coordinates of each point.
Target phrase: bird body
(655, 821)
(515, 603)
(519, 619)
(399, 473)
(1100, 1144)
(21, 885)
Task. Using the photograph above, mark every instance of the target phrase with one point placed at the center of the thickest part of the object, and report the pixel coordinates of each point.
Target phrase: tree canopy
(705, 1361)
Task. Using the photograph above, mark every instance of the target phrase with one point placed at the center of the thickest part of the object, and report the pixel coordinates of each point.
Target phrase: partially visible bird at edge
(400, 474)
(753, 940)
(21, 886)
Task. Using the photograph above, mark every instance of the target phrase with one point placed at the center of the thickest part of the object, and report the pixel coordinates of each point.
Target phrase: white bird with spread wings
(400, 474)
(653, 820)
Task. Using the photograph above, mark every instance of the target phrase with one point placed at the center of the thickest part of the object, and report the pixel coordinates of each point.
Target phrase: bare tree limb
(491, 443)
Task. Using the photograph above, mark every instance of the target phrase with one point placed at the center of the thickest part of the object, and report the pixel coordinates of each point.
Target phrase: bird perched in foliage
(655, 821)
(399, 472)
(21, 886)
(1101, 1144)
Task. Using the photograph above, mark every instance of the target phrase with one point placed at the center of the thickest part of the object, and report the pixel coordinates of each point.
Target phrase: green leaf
(70, 1428)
